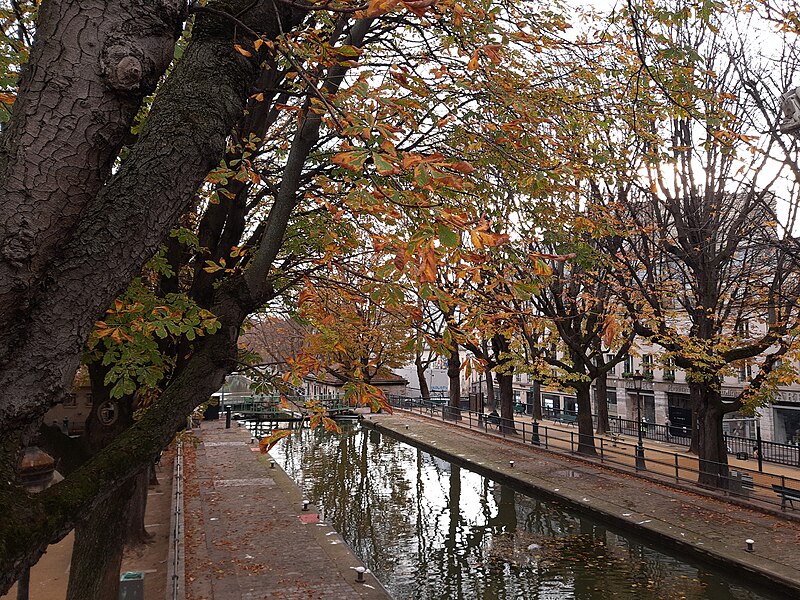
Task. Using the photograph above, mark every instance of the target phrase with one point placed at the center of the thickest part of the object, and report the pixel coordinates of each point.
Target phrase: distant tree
(703, 252)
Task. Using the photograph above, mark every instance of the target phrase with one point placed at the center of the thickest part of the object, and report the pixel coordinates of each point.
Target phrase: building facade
(664, 398)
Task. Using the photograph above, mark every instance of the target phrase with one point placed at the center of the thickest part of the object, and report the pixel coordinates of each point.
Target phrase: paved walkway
(247, 537)
(706, 528)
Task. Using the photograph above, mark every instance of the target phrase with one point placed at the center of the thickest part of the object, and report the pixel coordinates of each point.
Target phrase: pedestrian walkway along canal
(430, 529)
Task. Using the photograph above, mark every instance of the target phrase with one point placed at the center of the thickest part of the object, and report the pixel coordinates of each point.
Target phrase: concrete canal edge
(754, 570)
(340, 553)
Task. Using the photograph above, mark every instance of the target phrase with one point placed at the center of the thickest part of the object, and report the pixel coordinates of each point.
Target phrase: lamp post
(758, 445)
(639, 450)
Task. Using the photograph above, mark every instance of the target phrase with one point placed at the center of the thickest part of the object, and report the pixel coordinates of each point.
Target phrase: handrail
(175, 569)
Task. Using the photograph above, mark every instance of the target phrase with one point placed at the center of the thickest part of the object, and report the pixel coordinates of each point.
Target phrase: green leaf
(448, 237)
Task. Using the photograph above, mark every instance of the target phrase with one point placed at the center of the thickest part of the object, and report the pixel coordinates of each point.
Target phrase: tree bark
(424, 391)
(537, 400)
(585, 435)
(30, 524)
(505, 382)
(491, 401)
(133, 513)
(712, 454)
(182, 139)
(454, 385)
(109, 418)
(601, 400)
(90, 66)
(97, 550)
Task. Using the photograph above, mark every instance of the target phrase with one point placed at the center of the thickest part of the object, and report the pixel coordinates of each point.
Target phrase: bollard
(749, 545)
(360, 574)
(511, 464)
(227, 417)
(305, 504)
(535, 434)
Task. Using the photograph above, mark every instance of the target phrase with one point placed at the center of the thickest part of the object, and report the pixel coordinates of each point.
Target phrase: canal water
(431, 530)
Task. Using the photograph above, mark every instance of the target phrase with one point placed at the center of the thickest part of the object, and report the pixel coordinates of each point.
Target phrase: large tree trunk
(133, 515)
(601, 400)
(454, 384)
(506, 384)
(34, 523)
(585, 434)
(491, 401)
(83, 277)
(712, 455)
(97, 550)
(424, 391)
(505, 380)
(121, 227)
(90, 66)
(537, 401)
(109, 418)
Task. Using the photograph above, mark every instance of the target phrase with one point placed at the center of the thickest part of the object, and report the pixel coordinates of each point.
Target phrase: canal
(431, 530)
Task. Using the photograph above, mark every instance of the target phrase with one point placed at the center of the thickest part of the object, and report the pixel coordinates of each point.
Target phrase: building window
(611, 396)
(627, 369)
(669, 370)
(647, 365)
(743, 328)
(745, 373)
(551, 403)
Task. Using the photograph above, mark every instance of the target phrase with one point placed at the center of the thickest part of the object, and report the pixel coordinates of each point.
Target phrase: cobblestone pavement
(707, 528)
(247, 537)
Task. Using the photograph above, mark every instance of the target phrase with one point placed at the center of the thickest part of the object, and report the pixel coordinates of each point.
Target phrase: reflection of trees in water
(369, 500)
(431, 530)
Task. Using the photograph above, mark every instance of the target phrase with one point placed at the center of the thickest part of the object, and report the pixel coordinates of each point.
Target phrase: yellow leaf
(473, 62)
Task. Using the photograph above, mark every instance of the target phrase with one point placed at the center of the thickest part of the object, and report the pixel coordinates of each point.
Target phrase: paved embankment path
(706, 528)
(247, 536)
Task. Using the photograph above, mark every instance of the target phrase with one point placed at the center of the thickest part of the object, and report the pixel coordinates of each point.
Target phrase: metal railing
(175, 568)
(747, 484)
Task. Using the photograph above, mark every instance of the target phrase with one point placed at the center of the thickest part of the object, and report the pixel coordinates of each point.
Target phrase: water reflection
(432, 530)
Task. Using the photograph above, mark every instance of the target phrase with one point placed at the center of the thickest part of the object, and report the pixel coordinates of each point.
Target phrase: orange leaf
(419, 7)
(429, 266)
(473, 62)
(242, 51)
(378, 8)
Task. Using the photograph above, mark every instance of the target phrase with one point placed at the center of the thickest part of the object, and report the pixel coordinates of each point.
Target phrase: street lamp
(639, 450)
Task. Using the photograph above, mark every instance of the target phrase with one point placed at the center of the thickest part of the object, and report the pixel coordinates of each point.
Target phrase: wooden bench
(566, 418)
(786, 494)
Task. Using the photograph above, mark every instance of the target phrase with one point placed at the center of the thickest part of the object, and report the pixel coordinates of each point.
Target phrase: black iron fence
(742, 447)
(748, 484)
